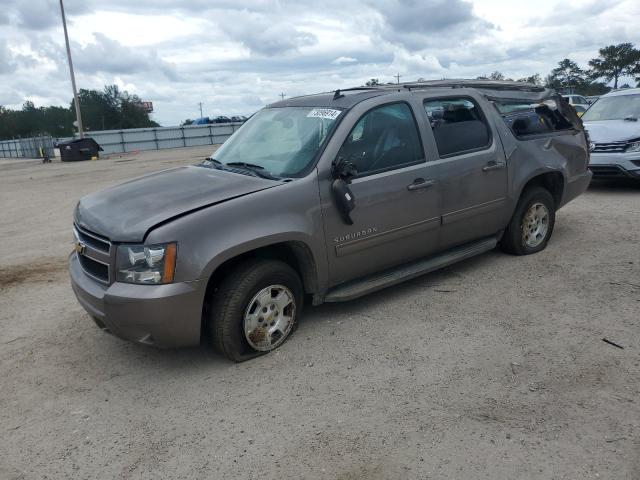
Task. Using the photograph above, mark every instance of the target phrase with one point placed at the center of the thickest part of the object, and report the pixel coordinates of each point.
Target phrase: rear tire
(255, 309)
(532, 223)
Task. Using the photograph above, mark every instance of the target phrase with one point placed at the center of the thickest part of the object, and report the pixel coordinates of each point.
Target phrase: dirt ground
(493, 368)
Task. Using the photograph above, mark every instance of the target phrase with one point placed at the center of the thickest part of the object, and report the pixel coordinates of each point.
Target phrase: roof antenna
(337, 95)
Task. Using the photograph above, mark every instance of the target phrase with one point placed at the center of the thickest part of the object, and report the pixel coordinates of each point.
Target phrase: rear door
(396, 218)
(472, 169)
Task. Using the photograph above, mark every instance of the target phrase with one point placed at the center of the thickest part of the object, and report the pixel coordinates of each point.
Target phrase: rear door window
(458, 125)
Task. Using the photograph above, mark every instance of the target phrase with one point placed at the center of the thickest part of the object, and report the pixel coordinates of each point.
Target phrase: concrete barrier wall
(129, 140)
(33, 147)
(121, 141)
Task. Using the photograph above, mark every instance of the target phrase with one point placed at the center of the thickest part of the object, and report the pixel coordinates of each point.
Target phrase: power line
(200, 105)
(282, 96)
(397, 76)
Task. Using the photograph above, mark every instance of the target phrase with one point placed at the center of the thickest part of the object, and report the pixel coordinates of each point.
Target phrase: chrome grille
(612, 147)
(89, 238)
(94, 254)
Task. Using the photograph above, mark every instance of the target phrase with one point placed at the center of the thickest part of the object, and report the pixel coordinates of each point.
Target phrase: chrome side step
(378, 281)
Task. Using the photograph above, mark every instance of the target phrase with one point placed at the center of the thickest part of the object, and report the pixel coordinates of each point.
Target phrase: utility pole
(397, 77)
(76, 101)
(282, 95)
(200, 105)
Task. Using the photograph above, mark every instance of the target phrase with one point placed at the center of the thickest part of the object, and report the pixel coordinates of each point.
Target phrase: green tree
(373, 82)
(534, 79)
(112, 109)
(616, 61)
(594, 88)
(566, 75)
(98, 112)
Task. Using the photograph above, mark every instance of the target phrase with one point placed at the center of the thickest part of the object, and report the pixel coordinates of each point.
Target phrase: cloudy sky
(237, 55)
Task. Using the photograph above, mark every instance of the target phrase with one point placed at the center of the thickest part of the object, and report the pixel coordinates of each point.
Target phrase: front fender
(286, 213)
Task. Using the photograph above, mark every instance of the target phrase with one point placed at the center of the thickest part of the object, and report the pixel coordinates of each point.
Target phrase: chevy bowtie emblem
(80, 248)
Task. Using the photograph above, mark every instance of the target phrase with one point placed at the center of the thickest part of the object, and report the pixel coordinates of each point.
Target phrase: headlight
(634, 147)
(146, 264)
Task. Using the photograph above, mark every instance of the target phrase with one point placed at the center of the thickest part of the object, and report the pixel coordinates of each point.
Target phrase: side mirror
(343, 197)
(342, 172)
(343, 169)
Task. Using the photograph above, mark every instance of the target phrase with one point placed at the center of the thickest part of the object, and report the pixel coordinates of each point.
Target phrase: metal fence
(131, 140)
(121, 141)
(34, 147)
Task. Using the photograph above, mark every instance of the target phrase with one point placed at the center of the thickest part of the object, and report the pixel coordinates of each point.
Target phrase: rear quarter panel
(565, 152)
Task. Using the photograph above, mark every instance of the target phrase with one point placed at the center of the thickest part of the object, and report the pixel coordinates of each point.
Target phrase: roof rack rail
(372, 87)
(489, 84)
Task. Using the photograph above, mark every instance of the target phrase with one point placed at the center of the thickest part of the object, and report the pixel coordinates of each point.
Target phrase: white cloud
(237, 55)
(344, 60)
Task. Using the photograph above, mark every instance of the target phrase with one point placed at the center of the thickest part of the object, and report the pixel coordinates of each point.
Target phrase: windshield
(281, 141)
(614, 108)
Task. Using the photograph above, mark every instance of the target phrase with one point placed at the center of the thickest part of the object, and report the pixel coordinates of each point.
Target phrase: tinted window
(384, 138)
(580, 100)
(457, 124)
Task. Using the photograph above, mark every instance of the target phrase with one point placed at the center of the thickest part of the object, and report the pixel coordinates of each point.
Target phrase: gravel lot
(494, 368)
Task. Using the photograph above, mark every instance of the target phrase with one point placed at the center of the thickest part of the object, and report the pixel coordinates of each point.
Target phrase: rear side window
(533, 118)
(458, 125)
(383, 139)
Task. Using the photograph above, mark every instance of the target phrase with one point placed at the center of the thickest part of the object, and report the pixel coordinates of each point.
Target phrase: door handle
(493, 166)
(420, 183)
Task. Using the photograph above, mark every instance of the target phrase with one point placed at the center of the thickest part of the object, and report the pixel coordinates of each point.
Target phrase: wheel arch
(552, 180)
(295, 253)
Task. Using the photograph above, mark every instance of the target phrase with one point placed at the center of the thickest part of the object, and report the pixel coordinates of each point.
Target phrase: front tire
(255, 309)
(532, 223)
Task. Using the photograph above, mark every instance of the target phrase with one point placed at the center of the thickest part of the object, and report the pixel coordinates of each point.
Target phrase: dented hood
(126, 212)
(607, 131)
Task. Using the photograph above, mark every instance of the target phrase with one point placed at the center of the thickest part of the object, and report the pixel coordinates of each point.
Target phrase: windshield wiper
(245, 165)
(257, 170)
(211, 162)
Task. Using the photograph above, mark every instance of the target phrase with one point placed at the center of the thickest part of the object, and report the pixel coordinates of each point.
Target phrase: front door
(396, 218)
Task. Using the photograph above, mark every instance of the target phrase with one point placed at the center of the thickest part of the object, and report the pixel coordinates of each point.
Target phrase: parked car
(201, 121)
(325, 198)
(579, 110)
(221, 119)
(580, 103)
(239, 118)
(614, 134)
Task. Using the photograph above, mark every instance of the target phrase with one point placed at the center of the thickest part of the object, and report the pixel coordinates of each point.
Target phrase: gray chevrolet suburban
(324, 198)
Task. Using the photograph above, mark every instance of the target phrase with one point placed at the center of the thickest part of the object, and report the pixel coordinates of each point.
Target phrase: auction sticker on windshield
(329, 113)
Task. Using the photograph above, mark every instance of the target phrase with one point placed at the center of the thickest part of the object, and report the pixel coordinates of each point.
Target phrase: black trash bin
(79, 149)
